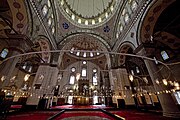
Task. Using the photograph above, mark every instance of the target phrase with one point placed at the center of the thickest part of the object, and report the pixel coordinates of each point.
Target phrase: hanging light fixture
(145, 80)
(157, 81)
(60, 76)
(78, 76)
(176, 84)
(131, 78)
(13, 78)
(171, 83)
(177, 87)
(26, 77)
(165, 82)
(3, 78)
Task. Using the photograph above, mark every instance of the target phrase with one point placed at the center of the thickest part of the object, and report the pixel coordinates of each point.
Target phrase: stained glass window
(84, 72)
(4, 53)
(164, 55)
(72, 79)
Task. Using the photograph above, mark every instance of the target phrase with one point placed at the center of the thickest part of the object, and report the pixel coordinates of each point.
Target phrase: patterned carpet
(84, 115)
(85, 118)
(137, 115)
(34, 115)
(81, 107)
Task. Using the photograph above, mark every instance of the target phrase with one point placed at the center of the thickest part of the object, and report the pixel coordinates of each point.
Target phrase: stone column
(44, 83)
(8, 69)
(122, 81)
(17, 44)
(170, 109)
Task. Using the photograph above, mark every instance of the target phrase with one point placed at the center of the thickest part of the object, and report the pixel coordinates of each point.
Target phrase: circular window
(73, 69)
(84, 62)
(94, 70)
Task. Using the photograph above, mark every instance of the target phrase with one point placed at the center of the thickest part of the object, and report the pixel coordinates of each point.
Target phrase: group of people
(5, 104)
(45, 103)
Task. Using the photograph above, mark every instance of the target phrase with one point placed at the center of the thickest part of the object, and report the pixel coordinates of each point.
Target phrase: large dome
(88, 13)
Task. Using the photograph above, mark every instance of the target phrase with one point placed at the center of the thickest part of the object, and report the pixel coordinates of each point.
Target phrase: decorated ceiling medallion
(82, 48)
(85, 47)
(65, 25)
(88, 8)
(88, 12)
(106, 29)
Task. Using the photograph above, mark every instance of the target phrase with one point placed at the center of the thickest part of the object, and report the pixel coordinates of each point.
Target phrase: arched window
(137, 70)
(49, 21)
(72, 79)
(53, 30)
(73, 69)
(78, 53)
(48, 14)
(30, 69)
(91, 54)
(84, 55)
(126, 17)
(72, 49)
(123, 12)
(70, 99)
(45, 10)
(49, 3)
(25, 65)
(164, 55)
(84, 71)
(120, 27)
(94, 77)
(95, 99)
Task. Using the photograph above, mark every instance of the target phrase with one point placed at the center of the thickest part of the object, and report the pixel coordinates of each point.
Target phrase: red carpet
(80, 107)
(35, 115)
(136, 115)
(83, 115)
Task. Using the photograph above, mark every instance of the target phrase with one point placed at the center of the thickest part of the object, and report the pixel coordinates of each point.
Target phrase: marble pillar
(8, 69)
(170, 109)
(44, 84)
(17, 44)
